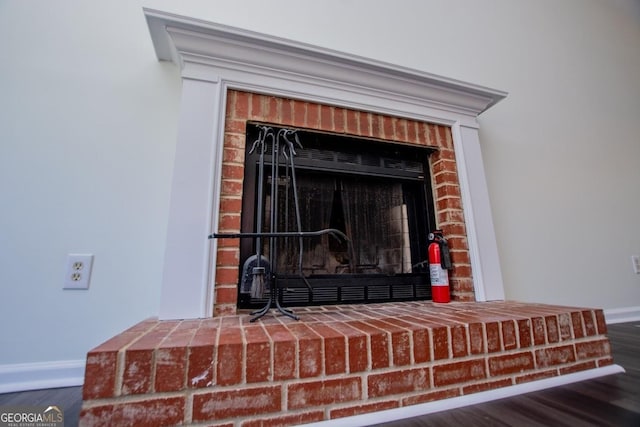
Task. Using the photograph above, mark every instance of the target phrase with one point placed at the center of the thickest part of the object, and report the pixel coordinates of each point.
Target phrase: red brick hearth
(337, 361)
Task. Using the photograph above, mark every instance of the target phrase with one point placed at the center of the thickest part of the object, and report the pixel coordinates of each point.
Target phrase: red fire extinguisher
(439, 263)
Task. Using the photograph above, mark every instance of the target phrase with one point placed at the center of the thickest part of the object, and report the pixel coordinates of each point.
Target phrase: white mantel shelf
(214, 58)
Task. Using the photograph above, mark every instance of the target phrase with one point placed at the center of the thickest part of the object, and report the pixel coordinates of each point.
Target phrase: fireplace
(409, 138)
(314, 89)
(385, 181)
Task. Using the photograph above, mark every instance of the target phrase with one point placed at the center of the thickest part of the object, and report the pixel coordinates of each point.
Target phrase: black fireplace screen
(377, 193)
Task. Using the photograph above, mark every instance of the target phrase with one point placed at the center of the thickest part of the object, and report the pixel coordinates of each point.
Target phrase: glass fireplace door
(381, 205)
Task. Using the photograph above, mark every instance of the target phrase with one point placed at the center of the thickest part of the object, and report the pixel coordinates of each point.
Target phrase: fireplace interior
(377, 193)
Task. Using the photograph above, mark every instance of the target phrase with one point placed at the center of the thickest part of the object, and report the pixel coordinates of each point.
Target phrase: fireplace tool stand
(258, 267)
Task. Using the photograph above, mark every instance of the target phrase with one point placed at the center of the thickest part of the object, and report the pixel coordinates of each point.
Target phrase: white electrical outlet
(635, 260)
(78, 271)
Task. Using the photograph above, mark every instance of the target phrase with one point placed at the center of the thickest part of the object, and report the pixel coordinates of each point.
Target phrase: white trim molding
(41, 375)
(214, 58)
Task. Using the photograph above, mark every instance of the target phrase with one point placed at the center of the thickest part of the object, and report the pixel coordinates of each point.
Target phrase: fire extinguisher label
(439, 277)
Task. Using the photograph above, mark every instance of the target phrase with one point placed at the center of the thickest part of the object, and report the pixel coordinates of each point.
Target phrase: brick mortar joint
(188, 409)
(489, 379)
(586, 339)
(451, 210)
(447, 197)
(228, 249)
(233, 163)
(436, 187)
(363, 402)
(444, 171)
(232, 132)
(456, 236)
(439, 150)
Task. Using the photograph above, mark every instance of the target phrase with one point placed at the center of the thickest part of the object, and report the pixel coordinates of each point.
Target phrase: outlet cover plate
(635, 261)
(78, 271)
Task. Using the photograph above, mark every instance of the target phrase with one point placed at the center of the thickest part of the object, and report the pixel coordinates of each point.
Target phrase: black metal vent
(350, 289)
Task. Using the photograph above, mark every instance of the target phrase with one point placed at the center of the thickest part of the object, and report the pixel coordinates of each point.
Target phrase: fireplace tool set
(258, 271)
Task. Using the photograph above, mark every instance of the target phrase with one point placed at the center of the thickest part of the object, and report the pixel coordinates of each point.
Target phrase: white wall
(86, 155)
(88, 123)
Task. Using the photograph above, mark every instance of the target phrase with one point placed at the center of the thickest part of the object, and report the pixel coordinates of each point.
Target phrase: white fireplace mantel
(214, 58)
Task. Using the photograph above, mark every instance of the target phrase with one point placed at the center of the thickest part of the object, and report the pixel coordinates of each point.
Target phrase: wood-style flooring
(613, 400)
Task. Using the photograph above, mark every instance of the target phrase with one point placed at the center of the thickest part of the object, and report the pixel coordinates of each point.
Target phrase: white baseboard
(41, 375)
(621, 315)
(471, 399)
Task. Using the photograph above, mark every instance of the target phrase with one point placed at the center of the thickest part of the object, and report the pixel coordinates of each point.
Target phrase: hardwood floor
(613, 400)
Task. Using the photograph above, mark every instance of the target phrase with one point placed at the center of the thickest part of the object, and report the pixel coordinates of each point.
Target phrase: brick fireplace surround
(243, 107)
(215, 368)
